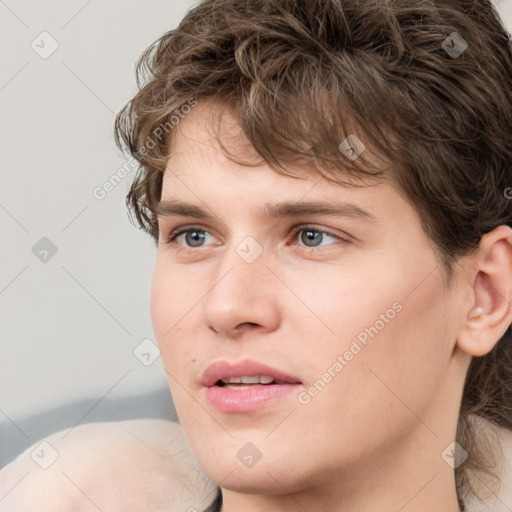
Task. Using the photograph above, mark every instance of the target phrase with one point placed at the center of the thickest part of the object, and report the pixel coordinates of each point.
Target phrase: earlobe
(491, 312)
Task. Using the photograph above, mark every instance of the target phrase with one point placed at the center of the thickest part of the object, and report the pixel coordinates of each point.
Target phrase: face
(342, 300)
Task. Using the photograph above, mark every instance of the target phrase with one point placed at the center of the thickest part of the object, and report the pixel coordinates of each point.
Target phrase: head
(401, 111)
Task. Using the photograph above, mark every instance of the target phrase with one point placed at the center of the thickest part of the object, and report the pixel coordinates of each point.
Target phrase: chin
(270, 476)
(248, 482)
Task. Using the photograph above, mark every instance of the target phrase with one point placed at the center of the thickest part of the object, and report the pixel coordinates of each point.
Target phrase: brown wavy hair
(302, 75)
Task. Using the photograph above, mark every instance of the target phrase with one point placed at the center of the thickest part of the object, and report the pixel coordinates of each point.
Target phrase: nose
(243, 297)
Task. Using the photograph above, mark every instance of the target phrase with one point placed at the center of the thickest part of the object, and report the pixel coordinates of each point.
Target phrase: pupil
(311, 236)
(194, 238)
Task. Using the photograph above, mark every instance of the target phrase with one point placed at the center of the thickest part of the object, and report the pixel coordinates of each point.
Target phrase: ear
(491, 312)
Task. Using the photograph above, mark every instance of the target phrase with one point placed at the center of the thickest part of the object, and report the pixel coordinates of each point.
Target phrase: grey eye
(194, 238)
(310, 237)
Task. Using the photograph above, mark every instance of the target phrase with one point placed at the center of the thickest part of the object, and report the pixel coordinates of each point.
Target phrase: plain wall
(70, 324)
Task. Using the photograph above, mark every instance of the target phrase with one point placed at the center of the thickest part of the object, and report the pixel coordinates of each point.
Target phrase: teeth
(256, 379)
(238, 387)
(251, 380)
(232, 380)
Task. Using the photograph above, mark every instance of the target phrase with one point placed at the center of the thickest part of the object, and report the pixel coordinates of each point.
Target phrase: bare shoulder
(116, 466)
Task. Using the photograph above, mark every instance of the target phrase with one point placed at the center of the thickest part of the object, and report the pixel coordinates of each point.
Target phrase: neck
(412, 477)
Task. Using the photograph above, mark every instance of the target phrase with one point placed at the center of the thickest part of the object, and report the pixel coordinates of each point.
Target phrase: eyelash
(171, 238)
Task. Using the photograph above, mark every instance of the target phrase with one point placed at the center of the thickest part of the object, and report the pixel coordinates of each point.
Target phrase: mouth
(245, 386)
(246, 382)
(244, 373)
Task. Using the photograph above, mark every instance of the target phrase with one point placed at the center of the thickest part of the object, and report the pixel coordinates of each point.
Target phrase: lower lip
(247, 399)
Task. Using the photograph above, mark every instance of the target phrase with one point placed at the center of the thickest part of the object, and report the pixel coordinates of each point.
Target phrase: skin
(372, 438)
(119, 466)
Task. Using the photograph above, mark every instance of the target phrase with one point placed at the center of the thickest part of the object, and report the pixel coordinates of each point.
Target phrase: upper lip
(247, 368)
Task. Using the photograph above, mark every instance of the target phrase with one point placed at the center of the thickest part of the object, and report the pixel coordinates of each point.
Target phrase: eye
(193, 236)
(190, 237)
(312, 237)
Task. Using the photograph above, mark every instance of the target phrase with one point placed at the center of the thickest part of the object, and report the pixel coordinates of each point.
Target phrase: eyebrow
(173, 207)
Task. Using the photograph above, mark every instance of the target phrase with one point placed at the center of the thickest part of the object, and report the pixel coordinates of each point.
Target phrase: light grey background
(70, 324)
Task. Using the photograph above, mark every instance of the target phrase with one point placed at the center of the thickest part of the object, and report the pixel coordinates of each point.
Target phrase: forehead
(209, 145)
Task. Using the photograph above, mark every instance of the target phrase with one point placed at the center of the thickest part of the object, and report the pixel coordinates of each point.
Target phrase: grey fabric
(217, 504)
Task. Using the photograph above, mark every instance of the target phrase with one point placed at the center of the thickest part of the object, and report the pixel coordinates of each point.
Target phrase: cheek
(388, 355)
(174, 301)
(390, 322)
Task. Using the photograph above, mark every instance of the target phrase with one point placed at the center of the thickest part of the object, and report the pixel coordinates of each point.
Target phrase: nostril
(249, 324)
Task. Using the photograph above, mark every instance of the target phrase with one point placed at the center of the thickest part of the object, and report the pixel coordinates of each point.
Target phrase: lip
(250, 398)
(248, 368)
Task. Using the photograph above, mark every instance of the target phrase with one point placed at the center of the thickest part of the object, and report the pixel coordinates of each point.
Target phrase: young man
(328, 183)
